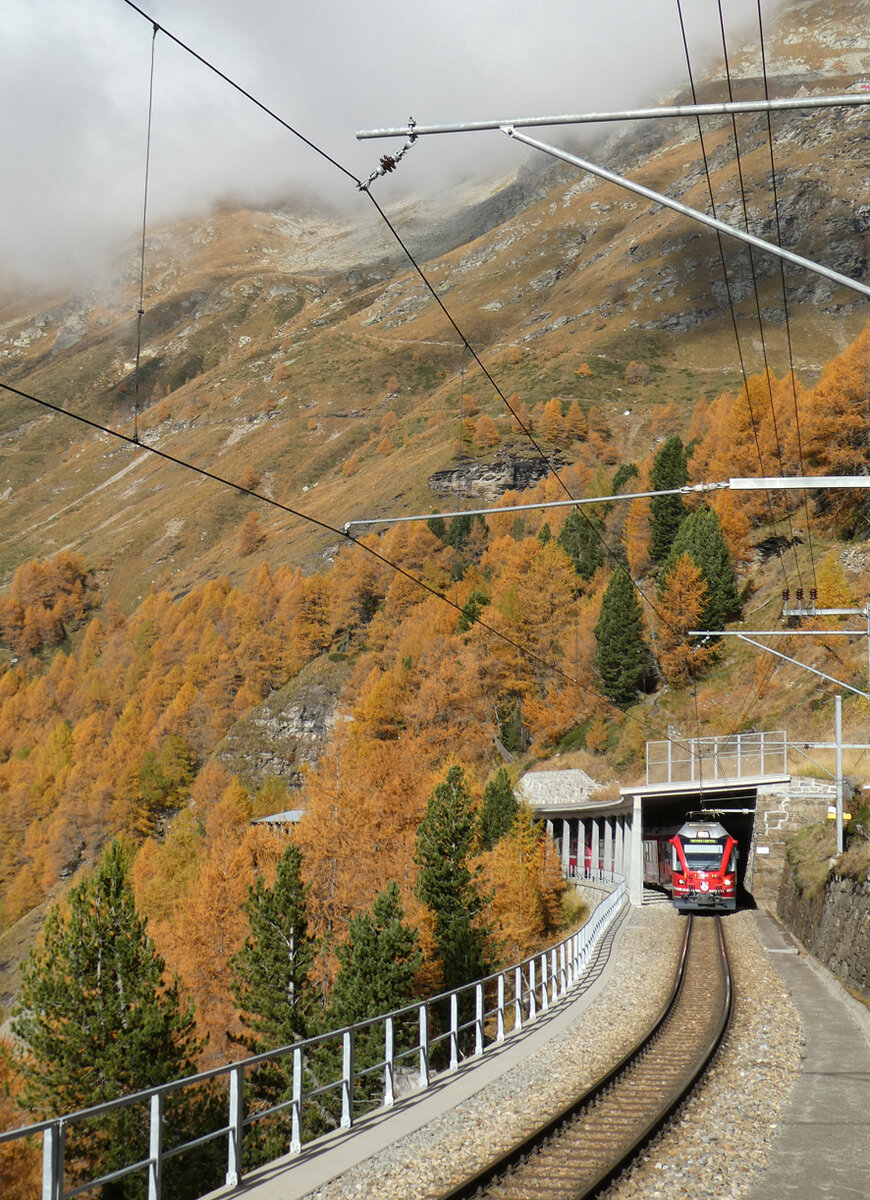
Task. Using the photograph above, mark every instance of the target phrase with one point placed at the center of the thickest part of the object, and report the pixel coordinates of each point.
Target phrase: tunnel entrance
(734, 809)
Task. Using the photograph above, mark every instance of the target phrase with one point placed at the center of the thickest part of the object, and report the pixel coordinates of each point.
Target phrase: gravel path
(711, 1151)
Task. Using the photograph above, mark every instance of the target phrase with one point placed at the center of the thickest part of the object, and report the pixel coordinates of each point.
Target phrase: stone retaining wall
(834, 925)
(781, 811)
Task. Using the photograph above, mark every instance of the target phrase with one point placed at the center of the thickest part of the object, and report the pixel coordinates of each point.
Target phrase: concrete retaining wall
(833, 925)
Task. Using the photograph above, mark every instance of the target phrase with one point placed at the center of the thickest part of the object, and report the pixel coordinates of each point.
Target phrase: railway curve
(594, 1138)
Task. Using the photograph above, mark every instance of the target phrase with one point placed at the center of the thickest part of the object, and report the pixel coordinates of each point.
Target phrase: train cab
(704, 868)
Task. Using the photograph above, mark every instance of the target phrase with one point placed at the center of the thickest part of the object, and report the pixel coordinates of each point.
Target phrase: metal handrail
(528, 988)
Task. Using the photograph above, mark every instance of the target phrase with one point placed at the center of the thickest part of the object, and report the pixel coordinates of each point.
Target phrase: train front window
(706, 856)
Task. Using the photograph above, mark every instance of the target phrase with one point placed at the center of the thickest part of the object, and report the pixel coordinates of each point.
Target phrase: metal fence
(450, 1027)
(696, 760)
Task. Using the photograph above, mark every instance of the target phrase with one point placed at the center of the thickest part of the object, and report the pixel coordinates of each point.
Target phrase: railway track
(591, 1141)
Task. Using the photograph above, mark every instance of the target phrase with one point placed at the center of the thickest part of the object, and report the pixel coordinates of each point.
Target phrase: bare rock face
(487, 481)
(289, 728)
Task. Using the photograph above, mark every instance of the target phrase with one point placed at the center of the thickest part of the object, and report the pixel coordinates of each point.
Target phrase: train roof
(706, 830)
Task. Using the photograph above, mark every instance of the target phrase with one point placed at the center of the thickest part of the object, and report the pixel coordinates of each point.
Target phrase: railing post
(478, 1018)
(236, 1127)
(532, 1007)
(545, 985)
(554, 974)
(296, 1103)
(454, 1031)
(155, 1147)
(518, 997)
(389, 1065)
(347, 1079)
(563, 969)
(424, 1046)
(499, 1031)
(53, 1139)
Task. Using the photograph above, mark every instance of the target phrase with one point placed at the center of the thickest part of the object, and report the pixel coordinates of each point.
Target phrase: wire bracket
(389, 162)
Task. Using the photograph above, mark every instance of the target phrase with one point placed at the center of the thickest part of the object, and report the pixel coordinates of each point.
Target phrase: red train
(698, 865)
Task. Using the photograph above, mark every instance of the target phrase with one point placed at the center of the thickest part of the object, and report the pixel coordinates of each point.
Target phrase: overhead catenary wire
(243, 92)
(612, 555)
(223, 481)
(785, 303)
(140, 312)
(156, 27)
(755, 685)
(754, 278)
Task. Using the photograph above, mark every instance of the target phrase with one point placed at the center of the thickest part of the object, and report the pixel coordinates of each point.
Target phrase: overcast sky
(74, 89)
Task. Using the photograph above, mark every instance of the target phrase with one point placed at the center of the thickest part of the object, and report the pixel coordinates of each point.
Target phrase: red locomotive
(698, 865)
(704, 868)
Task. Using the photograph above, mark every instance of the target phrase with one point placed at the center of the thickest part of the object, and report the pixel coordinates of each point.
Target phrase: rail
(461, 1024)
(586, 1145)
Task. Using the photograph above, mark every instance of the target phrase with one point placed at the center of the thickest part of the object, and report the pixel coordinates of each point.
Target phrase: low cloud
(74, 88)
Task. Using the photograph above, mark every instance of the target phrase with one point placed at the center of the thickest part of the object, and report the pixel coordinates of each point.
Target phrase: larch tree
(623, 662)
(682, 599)
(99, 1020)
(667, 512)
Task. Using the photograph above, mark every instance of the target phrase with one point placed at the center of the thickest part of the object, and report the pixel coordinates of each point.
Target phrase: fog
(74, 98)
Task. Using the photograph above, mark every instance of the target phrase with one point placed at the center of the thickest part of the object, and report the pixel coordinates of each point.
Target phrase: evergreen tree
(471, 610)
(624, 472)
(449, 884)
(700, 536)
(272, 969)
(499, 809)
(377, 965)
(99, 1021)
(276, 998)
(581, 541)
(623, 661)
(667, 512)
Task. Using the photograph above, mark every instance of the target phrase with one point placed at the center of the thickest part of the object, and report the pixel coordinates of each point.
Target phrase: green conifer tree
(667, 513)
(449, 884)
(499, 810)
(623, 661)
(272, 986)
(378, 964)
(580, 538)
(99, 1020)
(700, 536)
(277, 1000)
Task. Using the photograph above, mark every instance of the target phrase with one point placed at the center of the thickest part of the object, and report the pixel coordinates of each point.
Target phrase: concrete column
(566, 844)
(548, 825)
(635, 854)
(608, 843)
(596, 842)
(581, 844)
(619, 847)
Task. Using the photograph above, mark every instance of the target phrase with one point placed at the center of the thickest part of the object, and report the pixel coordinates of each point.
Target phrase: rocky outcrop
(487, 481)
(288, 729)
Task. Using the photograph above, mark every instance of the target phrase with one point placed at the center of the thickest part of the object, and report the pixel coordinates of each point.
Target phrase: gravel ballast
(716, 1144)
